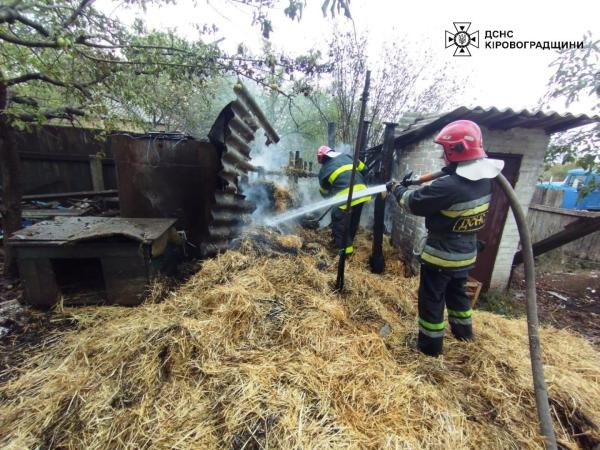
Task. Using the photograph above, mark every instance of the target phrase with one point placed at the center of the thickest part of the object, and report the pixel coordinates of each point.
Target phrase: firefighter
(455, 208)
(334, 179)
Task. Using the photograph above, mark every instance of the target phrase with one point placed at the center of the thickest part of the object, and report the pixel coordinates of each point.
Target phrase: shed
(519, 138)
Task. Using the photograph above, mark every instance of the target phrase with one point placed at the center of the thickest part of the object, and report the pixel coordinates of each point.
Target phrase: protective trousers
(439, 287)
(337, 226)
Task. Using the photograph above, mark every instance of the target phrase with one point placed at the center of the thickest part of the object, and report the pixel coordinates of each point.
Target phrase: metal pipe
(339, 284)
(537, 367)
(365, 133)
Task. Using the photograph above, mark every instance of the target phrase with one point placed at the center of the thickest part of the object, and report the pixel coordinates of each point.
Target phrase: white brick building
(519, 138)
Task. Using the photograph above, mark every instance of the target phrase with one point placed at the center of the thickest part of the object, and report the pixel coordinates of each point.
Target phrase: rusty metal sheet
(67, 230)
(170, 175)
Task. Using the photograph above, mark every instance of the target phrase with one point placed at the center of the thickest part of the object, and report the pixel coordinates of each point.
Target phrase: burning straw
(258, 352)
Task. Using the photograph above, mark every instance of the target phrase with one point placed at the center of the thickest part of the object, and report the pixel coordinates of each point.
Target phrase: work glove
(399, 191)
(399, 188)
(390, 185)
(407, 180)
(396, 189)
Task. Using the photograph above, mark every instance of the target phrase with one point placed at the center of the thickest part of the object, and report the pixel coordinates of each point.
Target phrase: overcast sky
(501, 78)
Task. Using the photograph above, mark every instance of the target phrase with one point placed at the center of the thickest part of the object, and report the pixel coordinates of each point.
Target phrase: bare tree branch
(84, 3)
(68, 113)
(46, 79)
(11, 15)
(38, 44)
(24, 100)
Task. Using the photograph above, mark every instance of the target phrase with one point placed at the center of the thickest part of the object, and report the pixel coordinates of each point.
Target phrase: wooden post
(377, 261)
(96, 172)
(10, 168)
(331, 135)
(297, 166)
(574, 230)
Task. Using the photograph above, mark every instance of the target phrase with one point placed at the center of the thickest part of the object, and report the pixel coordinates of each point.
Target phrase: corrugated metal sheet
(413, 127)
(232, 134)
(492, 118)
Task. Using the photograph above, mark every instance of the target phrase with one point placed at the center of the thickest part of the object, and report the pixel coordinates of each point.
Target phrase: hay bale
(256, 351)
(290, 241)
(283, 198)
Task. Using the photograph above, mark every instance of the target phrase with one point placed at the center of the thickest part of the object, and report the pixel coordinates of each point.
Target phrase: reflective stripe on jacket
(454, 209)
(334, 178)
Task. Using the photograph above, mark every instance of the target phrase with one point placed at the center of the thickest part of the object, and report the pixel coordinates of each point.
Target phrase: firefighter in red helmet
(455, 208)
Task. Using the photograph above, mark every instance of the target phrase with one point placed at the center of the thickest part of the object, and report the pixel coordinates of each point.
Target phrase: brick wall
(425, 156)
(408, 231)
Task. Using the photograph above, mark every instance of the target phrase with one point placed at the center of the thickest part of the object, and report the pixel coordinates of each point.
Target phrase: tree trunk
(10, 167)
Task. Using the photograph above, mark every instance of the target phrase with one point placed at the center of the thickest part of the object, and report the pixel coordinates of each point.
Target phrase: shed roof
(412, 127)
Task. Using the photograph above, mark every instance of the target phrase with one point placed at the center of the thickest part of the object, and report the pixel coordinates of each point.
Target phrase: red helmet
(322, 151)
(462, 141)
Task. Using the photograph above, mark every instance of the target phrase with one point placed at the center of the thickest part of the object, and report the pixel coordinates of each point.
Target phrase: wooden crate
(473, 288)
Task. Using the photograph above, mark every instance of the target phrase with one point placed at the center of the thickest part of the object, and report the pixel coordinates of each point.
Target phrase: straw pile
(255, 351)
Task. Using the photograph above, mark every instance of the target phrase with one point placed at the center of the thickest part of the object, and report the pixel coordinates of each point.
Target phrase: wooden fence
(545, 218)
(64, 159)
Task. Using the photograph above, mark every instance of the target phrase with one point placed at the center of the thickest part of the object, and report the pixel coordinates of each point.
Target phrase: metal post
(377, 260)
(331, 134)
(365, 132)
(339, 284)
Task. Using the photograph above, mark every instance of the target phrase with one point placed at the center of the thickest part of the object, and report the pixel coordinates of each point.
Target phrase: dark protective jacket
(334, 178)
(454, 209)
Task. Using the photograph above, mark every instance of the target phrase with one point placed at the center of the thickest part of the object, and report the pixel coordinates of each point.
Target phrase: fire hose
(537, 367)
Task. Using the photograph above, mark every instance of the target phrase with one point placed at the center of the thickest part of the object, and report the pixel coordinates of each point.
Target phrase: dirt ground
(566, 299)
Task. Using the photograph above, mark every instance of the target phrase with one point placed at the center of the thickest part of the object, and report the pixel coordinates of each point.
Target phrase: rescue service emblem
(462, 39)
(470, 223)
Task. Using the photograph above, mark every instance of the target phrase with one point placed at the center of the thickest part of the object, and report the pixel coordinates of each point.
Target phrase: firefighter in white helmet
(334, 179)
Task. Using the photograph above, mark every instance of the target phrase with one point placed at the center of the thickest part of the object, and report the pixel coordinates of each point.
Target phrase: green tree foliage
(68, 60)
(577, 78)
(261, 10)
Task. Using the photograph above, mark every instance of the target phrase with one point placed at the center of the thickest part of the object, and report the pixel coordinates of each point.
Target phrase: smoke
(305, 191)
(275, 158)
